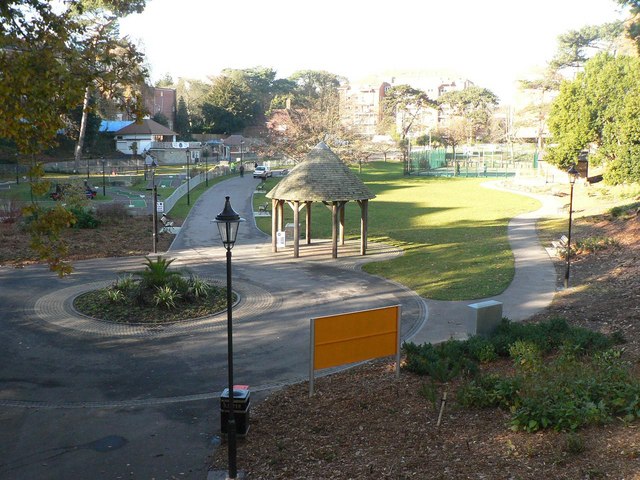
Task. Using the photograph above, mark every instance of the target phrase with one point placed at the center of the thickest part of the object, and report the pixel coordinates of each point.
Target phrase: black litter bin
(241, 405)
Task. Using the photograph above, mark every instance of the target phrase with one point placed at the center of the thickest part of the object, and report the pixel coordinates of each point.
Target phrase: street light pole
(228, 221)
(206, 170)
(155, 209)
(188, 178)
(104, 187)
(573, 175)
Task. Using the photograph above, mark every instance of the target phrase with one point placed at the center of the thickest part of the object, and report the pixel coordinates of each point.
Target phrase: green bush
(441, 362)
(595, 244)
(624, 210)
(157, 273)
(564, 377)
(563, 393)
(84, 218)
(166, 297)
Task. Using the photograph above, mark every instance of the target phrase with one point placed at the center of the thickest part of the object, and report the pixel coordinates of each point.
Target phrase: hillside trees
(43, 77)
(304, 112)
(599, 110)
(475, 105)
(113, 65)
(406, 105)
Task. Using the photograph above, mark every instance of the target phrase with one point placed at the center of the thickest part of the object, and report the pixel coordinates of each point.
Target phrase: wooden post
(274, 225)
(281, 215)
(342, 209)
(364, 220)
(296, 229)
(307, 232)
(334, 230)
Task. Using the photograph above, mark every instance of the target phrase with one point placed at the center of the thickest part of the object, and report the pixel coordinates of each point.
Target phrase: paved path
(78, 396)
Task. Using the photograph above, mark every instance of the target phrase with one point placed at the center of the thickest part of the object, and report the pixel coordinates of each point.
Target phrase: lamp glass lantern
(228, 222)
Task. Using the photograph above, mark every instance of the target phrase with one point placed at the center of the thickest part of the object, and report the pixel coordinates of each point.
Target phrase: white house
(140, 136)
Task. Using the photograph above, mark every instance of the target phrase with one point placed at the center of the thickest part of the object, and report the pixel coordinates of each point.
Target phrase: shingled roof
(321, 177)
(147, 127)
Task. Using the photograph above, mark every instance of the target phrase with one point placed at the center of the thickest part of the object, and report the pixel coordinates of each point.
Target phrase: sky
(493, 43)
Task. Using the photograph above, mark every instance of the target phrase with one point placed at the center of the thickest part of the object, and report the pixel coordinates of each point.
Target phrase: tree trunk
(83, 129)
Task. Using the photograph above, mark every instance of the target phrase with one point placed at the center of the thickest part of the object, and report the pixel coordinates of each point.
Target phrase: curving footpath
(80, 396)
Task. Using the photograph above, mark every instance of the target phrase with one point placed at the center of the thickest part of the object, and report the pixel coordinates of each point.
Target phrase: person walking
(242, 170)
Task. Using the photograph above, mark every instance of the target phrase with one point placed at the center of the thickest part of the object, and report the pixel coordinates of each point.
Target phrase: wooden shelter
(321, 177)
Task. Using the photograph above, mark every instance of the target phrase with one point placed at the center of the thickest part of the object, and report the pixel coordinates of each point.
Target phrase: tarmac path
(86, 399)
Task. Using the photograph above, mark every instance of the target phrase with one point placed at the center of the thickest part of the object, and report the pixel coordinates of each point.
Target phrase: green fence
(478, 161)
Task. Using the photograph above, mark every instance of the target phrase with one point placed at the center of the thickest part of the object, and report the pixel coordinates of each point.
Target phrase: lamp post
(206, 170)
(188, 178)
(104, 185)
(155, 209)
(228, 222)
(573, 175)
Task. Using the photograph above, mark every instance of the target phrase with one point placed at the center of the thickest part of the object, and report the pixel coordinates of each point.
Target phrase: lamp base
(224, 475)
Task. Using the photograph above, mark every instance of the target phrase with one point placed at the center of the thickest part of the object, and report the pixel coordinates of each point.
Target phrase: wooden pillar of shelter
(307, 232)
(296, 229)
(342, 209)
(334, 229)
(274, 225)
(364, 221)
(281, 215)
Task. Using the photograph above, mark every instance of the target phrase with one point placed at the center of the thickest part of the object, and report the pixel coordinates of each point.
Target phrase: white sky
(491, 42)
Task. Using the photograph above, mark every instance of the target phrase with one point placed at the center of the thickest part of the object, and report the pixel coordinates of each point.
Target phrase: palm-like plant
(157, 273)
(166, 297)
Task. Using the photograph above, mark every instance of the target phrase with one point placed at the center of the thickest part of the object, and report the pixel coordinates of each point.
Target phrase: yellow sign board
(353, 337)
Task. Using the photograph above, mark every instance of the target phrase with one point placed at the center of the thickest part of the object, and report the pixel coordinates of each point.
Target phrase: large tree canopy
(599, 110)
(405, 105)
(46, 63)
(474, 104)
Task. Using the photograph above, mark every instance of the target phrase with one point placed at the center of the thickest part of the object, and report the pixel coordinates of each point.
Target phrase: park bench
(561, 245)
(264, 208)
(166, 223)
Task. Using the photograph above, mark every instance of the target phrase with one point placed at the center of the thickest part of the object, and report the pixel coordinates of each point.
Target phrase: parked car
(262, 171)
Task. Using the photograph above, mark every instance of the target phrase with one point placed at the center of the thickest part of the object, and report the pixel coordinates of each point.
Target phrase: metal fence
(478, 161)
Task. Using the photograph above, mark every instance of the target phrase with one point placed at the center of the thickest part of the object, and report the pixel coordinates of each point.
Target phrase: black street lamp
(573, 176)
(228, 222)
(104, 187)
(188, 178)
(154, 216)
(206, 170)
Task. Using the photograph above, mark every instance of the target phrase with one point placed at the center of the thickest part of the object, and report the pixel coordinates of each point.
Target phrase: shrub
(625, 210)
(489, 391)
(157, 273)
(114, 295)
(441, 362)
(84, 218)
(198, 287)
(166, 297)
(112, 212)
(563, 393)
(594, 244)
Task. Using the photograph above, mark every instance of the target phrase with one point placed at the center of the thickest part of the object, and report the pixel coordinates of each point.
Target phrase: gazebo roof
(321, 177)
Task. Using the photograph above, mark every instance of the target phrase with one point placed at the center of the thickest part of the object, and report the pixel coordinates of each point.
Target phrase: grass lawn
(453, 231)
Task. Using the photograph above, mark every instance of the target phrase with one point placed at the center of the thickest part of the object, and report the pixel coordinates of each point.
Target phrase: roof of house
(234, 140)
(321, 177)
(146, 127)
(113, 125)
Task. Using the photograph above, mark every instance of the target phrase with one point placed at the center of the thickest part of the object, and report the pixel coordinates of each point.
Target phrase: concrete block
(487, 316)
